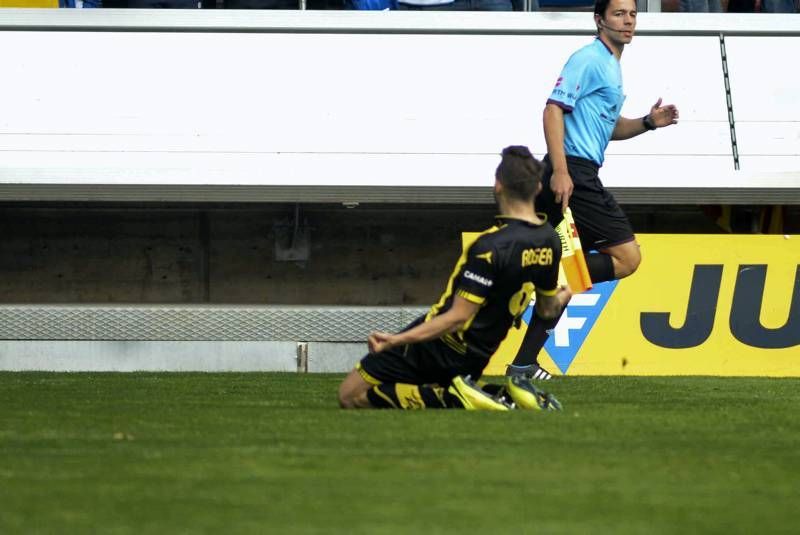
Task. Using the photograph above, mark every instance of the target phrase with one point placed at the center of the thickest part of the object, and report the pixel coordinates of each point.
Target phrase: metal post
(302, 357)
(729, 101)
(654, 6)
(648, 6)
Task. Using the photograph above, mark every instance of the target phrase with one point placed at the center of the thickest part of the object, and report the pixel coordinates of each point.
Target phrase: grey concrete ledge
(131, 356)
(759, 195)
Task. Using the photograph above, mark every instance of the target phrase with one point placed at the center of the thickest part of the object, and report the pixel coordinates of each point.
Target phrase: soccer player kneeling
(438, 359)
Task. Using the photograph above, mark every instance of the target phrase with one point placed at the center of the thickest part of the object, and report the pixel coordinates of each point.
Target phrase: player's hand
(379, 341)
(562, 186)
(662, 116)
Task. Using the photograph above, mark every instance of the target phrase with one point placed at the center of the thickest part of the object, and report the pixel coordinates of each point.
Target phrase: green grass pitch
(272, 453)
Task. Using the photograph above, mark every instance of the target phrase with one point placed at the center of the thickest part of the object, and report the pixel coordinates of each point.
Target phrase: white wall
(372, 109)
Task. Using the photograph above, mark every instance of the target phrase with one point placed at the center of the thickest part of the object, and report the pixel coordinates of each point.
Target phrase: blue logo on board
(575, 324)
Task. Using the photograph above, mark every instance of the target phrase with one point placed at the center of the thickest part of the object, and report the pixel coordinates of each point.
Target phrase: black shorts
(601, 222)
(431, 362)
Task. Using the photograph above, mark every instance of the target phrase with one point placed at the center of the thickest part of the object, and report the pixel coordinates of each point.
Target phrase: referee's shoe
(527, 396)
(531, 371)
(472, 397)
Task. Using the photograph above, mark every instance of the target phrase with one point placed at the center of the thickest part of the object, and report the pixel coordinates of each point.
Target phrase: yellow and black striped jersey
(500, 271)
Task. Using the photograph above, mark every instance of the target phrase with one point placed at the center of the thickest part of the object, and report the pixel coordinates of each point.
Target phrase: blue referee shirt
(589, 91)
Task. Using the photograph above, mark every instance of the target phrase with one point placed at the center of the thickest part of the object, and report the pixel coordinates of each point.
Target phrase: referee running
(580, 118)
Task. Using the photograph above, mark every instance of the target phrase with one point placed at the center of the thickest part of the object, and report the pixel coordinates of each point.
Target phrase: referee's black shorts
(601, 222)
(431, 362)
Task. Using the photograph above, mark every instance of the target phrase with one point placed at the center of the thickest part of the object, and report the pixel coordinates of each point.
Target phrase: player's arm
(659, 117)
(561, 182)
(450, 321)
(550, 304)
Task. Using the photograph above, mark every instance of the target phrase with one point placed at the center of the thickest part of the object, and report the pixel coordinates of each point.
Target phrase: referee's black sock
(601, 267)
(405, 396)
(534, 340)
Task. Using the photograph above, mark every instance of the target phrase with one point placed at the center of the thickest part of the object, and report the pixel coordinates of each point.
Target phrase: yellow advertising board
(698, 305)
(28, 3)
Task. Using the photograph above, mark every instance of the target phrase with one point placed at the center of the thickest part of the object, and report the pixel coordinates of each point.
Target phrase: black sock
(601, 267)
(383, 396)
(405, 396)
(450, 401)
(534, 340)
(433, 397)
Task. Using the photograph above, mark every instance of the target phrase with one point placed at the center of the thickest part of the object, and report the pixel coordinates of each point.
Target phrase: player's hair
(600, 7)
(519, 172)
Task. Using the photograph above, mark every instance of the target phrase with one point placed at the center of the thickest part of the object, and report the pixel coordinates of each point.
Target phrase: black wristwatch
(648, 124)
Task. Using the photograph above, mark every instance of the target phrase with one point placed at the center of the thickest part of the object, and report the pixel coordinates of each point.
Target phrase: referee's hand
(561, 184)
(665, 115)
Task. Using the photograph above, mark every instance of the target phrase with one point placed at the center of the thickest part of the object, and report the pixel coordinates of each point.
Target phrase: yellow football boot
(472, 397)
(527, 396)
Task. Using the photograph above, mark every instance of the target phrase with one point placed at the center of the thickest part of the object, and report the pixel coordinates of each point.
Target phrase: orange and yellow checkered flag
(573, 270)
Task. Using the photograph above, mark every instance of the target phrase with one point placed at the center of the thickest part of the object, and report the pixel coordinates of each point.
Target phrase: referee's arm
(628, 128)
(659, 117)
